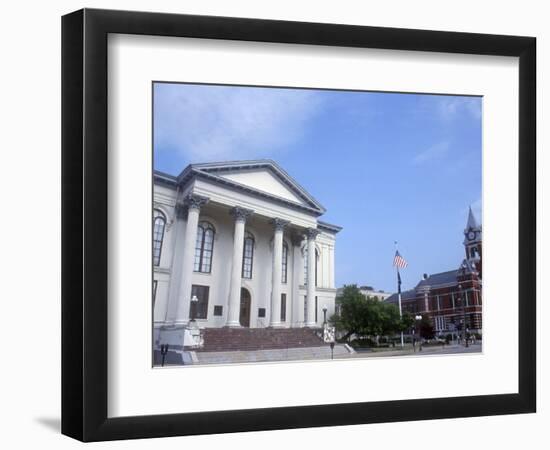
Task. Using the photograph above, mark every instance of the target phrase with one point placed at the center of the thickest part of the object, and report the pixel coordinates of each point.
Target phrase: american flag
(399, 261)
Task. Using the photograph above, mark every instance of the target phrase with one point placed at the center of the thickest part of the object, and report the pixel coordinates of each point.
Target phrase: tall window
(285, 262)
(248, 255)
(283, 307)
(159, 223)
(316, 309)
(199, 309)
(154, 291)
(204, 247)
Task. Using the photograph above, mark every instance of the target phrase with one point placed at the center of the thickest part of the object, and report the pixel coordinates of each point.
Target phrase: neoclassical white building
(244, 241)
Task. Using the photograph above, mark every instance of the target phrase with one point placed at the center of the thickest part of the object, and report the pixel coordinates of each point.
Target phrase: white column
(276, 272)
(297, 269)
(240, 215)
(311, 235)
(192, 203)
(178, 235)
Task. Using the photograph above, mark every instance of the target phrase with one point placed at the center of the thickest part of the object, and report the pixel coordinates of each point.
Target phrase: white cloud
(449, 107)
(207, 123)
(436, 151)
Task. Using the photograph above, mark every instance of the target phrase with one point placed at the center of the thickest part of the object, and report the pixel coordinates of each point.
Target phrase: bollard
(163, 352)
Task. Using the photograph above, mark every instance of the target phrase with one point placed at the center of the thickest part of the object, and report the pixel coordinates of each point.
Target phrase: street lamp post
(163, 352)
(194, 302)
(418, 318)
(324, 314)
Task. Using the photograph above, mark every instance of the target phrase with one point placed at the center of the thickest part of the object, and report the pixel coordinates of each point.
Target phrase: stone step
(292, 354)
(247, 339)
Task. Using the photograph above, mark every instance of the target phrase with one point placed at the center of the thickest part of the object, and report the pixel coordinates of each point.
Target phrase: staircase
(248, 339)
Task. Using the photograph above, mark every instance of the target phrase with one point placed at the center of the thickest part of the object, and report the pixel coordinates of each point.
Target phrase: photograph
(280, 224)
(294, 224)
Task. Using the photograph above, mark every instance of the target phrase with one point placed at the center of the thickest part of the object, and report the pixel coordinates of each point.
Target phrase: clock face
(471, 235)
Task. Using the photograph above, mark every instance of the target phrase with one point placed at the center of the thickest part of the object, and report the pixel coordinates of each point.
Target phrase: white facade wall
(216, 211)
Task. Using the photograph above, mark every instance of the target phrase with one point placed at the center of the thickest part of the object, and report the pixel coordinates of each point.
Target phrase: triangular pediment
(263, 180)
(261, 176)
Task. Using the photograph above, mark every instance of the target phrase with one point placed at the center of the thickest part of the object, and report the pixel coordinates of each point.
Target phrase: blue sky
(386, 166)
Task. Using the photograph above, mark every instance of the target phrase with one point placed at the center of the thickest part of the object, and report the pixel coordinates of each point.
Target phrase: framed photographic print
(272, 224)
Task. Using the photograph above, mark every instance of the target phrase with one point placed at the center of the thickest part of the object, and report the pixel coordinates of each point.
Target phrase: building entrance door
(244, 315)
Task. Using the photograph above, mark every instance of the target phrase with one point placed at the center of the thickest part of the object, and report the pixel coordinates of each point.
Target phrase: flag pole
(399, 297)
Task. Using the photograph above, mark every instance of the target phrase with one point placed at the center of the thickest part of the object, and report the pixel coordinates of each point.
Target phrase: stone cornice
(240, 214)
(303, 288)
(328, 227)
(165, 178)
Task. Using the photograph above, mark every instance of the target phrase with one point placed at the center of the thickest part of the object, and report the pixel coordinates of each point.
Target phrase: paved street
(305, 354)
(440, 350)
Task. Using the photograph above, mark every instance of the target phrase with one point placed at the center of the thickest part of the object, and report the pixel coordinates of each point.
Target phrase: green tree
(391, 322)
(366, 316)
(351, 306)
(407, 321)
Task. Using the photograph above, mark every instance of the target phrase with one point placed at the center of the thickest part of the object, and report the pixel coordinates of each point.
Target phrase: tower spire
(472, 222)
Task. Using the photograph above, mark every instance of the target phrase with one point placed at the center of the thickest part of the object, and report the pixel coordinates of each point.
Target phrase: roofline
(166, 178)
(256, 163)
(402, 296)
(328, 226)
(439, 273)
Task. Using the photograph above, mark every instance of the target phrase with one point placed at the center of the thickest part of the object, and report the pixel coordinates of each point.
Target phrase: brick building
(450, 299)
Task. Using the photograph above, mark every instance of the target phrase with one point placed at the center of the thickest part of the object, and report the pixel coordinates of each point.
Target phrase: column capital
(312, 233)
(240, 214)
(191, 201)
(296, 239)
(279, 224)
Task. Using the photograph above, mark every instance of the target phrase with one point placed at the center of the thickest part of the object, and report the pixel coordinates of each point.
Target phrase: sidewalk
(272, 355)
(426, 350)
(308, 354)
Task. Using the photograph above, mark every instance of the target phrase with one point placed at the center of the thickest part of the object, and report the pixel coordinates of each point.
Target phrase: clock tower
(472, 242)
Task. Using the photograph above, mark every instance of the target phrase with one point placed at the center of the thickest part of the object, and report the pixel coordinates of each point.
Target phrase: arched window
(285, 263)
(159, 223)
(204, 247)
(248, 255)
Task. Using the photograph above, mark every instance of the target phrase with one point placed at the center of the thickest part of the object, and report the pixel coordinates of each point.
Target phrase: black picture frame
(84, 224)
